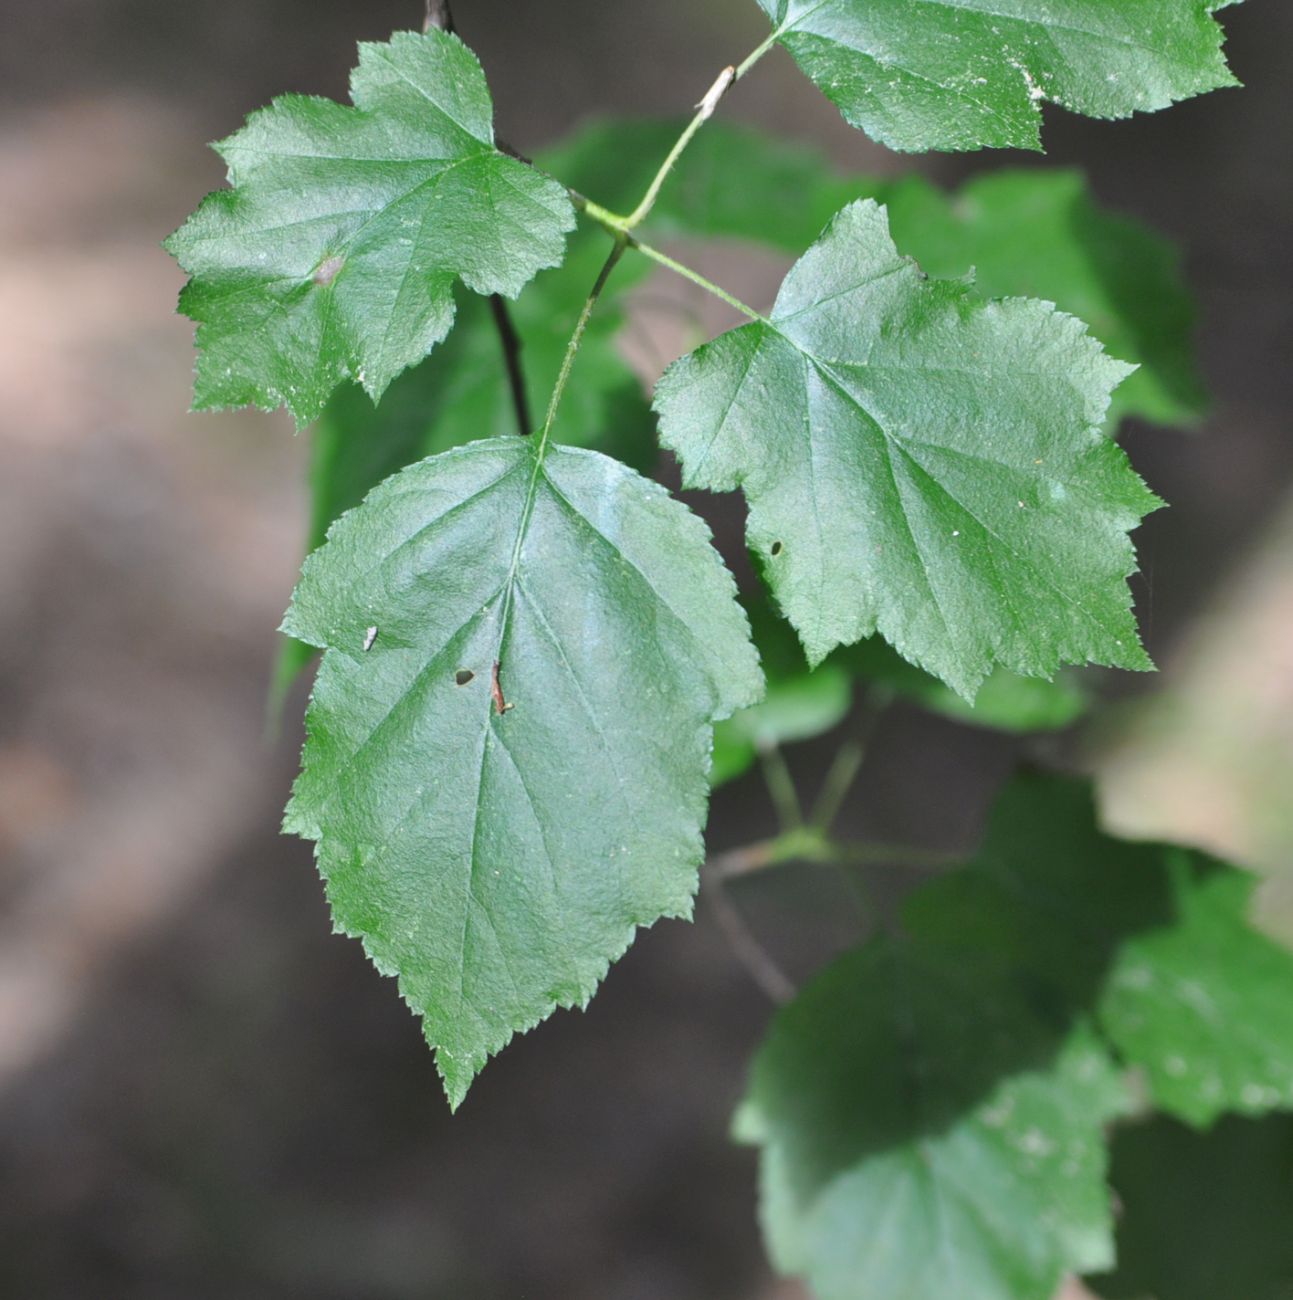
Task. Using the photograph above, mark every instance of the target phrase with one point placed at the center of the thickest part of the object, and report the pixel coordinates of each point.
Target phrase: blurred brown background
(207, 1095)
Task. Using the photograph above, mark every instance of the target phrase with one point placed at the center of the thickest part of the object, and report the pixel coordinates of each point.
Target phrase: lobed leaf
(920, 464)
(926, 1133)
(965, 74)
(1153, 938)
(509, 735)
(1040, 234)
(1037, 233)
(334, 253)
(931, 1108)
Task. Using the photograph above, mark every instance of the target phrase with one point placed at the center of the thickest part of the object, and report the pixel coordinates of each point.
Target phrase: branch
(848, 760)
(439, 15)
(511, 342)
(811, 844)
(748, 950)
(781, 787)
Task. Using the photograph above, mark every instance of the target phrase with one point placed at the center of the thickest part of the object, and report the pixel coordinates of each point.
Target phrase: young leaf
(509, 734)
(927, 1133)
(920, 464)
(1152, 938)
(965, 74)
(334, 254)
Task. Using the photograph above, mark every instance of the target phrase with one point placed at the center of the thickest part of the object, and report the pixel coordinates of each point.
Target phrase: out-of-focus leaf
(931, 1108)
(1005, 702)
(1204, 1216)
(926, 1133)
(1186, 989)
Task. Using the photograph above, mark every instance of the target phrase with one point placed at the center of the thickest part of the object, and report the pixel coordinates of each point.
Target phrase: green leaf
(931, 1107)
(920, 464)
(497, 862)
(733, 182)
(334, 254)
(461, 393)
(965, 74)
(1040, 234)
(1152, 938)
(1005, 701)
(1204, 1216)
(927, 1134)
(1036, 233)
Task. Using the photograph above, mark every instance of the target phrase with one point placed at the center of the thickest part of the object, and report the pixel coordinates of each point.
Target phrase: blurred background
(205, 1093)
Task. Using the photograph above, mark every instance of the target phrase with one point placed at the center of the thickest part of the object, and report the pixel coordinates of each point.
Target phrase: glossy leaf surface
(512, 776)
(965, 74)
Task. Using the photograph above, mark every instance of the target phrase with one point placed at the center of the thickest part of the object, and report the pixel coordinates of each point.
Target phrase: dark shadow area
(1203, 1215)
(990, 970)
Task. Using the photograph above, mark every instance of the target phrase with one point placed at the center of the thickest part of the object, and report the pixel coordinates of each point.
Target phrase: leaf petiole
(704, 111)
(619, 227)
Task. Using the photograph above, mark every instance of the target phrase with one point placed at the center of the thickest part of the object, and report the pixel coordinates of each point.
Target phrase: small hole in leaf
(463, 676)
(776, 548)
(327, 271)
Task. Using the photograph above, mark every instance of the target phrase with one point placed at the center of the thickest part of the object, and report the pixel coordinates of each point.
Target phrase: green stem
(781, 786)
(839, 780)
(848, 760)
(577, 338)
(705, 110)
(678, 268)
(615, 225)
(755, 55)
(809, 844)
(554, 403)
